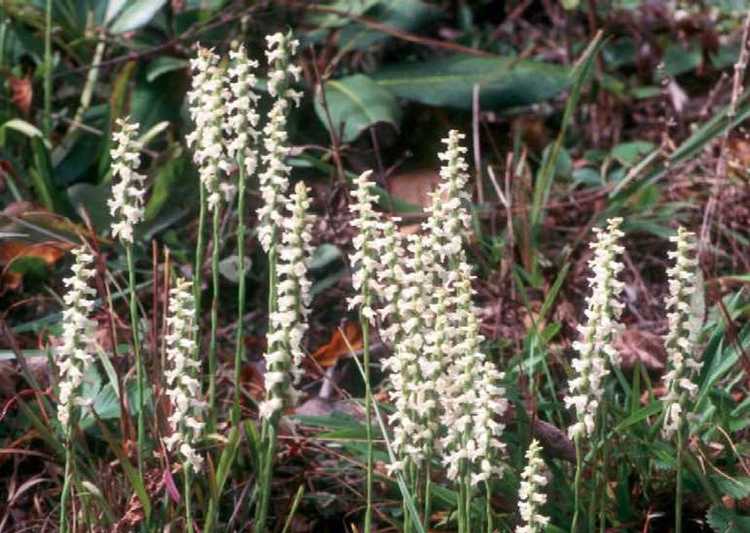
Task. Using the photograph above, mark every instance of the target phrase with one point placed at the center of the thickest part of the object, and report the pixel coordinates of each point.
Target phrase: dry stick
(333, 133)
(476, 141)
(721, 163)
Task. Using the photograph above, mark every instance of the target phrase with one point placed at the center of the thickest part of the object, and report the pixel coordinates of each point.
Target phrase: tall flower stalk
(74, 356)
(183, 387)
(242, 123)
(530, 495)
(207, 108)
(473, 399)
(685, 317)
(126, 208)
(596, 348)
(365, 263)
(287, 327)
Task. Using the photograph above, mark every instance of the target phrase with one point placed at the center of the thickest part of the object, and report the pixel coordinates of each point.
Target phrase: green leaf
(503, 82)
(41, 177)
(357, 103)
(404, 15)
(325, 255)
(630, 153)
(723, 520)
(21, 126)
(162, 65)
(738, 487)
(136, 14)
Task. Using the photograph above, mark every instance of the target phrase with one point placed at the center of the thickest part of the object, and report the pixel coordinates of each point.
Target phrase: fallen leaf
(329, 354)
(21, 93)
(635, 344)
(414, 187)
(49, 252)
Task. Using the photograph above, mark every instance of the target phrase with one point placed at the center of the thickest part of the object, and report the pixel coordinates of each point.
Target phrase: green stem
(199, 249)
(261, 514)
(214, 320)
(240, 348)
(467, 504)
(368, 415)
(188, 506)
(427, 494)
(577, 499)
(488, 508)
(138, 359)
(679, 489)
(48, 70)
(66, 484)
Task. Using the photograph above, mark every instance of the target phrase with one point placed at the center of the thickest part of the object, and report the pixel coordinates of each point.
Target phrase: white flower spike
(207, 109)
(365, 259)
(288, 323)
(183, 387)
(530, 495)
(75, 354)
(274, 180)
(686, 314)
(242, 116)
(596, 348)
(126, 204)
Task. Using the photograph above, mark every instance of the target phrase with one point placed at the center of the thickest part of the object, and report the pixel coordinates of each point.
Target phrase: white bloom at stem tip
(530, 495)
(288, 323)
(183, 386)
(126, 204)
(75, 354)
(207, 109)
(282, 73)
(448, 219)
(596, 346)
(685, 317)
(242, 116)
(365, 260)
(472, 396)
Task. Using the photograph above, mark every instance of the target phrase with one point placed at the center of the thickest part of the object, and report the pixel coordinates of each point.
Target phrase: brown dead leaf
(21, 93)
(635, 344)
(48, 252)
(414, 187)
(329, 354)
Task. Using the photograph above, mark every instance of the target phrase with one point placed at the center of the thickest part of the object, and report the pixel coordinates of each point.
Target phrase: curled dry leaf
(637, 345)
(336, 348)
(11, 251)
(22, 93)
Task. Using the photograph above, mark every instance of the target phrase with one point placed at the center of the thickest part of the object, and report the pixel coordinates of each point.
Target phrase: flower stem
(214, 320)
(488, 508)
(188, 506)
(261, 513)
(47, 117)
(427, 494)
(678, 489)
(138, 359)
(66, 484)
(577, 500)
(368, 415)
(199, 249)
(240, 348)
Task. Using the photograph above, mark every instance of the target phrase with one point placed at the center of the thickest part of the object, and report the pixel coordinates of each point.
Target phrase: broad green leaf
(503, 82)
(21, 126)
(357, 103)
(405, 15)
(136, 14)
(723, 520)
(628, 154)
(325, 255)
(162, 65)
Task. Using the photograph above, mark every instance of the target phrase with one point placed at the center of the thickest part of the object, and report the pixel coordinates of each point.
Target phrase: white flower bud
(530, 495)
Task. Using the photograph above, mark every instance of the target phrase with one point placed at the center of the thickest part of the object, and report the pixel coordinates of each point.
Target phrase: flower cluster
(76, 352)
(390, 279)
(685, 318)
(242, 117)
(288, 323)
(274, 180)
(414, 371)
(126, 204)
(366, 257)
(530, 496)
(472, 396)
(207, 109)
(184, 389)
(448, 220)
(596, 346)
